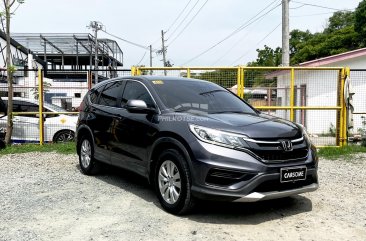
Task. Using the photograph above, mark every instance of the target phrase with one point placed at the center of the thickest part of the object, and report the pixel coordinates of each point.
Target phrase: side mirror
(139, 106)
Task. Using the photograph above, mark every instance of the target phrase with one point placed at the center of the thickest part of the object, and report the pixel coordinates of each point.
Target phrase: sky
(196, 41)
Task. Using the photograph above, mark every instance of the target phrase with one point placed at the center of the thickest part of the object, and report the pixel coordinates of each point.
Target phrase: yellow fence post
(40, 105)
(343, 121)
(188, 73)
(292, 94)
(242, 82)
(133, 70)
(238, 84)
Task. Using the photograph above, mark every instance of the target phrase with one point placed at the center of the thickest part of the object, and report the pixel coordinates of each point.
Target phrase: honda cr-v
(193, 139)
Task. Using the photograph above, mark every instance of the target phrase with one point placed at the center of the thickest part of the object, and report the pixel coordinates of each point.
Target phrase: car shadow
(250, 213)
(209, 211)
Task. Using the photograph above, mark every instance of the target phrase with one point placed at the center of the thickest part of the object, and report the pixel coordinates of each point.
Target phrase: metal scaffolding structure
(72, 51)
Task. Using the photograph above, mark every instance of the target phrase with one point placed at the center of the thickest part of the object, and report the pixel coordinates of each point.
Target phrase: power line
(233, 46)
(129, 42)
(243, 26)
(186, 16)
(260, 41)
(319, 6)
(310, 15)
(180, 14)
(298, 7)
(199, 10)
(142, 58)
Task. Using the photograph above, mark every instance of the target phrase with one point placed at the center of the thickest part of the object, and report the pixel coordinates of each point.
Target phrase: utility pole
(285, 33)
(150, 47)
(96, 26)
(163, 49)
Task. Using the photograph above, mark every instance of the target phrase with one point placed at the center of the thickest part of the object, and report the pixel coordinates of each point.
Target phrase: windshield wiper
(229, 111)
(209, 92)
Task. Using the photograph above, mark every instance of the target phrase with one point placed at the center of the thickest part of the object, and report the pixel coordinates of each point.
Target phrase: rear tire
(173, 182)
(88, 164)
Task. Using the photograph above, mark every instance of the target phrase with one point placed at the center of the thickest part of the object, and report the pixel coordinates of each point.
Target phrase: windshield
(198, 96)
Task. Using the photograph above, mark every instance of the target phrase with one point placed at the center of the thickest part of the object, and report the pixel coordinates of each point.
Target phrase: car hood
(253, 125)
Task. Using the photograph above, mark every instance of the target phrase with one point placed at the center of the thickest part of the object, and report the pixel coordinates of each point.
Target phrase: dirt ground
(44, 196)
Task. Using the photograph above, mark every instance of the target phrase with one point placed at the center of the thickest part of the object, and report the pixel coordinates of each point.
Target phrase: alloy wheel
(85, 153)
(169, 182)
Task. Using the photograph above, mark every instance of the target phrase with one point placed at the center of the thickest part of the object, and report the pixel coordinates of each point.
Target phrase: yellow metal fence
(312, 97)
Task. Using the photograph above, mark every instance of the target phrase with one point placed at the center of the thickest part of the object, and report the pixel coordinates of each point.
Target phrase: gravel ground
(44, 196)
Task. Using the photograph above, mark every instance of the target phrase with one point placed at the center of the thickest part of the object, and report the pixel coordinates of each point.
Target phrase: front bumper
(263, 182)
(261, 196)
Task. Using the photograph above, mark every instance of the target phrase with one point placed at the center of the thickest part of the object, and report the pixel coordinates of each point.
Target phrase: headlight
(217, 137)
(303, 128)
(304, 132)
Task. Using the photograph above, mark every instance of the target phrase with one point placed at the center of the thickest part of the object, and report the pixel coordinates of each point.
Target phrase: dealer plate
(292, 174)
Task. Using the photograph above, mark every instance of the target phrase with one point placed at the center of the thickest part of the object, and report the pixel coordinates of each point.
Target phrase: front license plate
(291, 174)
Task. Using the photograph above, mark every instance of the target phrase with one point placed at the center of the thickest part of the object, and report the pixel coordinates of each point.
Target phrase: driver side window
(136, 91)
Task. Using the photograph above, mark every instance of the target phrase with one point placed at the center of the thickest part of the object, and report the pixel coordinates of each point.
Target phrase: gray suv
(193, 139)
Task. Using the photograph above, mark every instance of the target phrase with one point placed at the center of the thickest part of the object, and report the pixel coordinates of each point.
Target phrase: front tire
(173, 182)
(64, 136)
(88, 165)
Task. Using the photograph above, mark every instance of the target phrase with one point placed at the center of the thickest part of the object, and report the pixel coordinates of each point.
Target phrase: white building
(321, 88)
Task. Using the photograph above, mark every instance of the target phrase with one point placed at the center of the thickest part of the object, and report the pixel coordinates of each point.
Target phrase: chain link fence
(311, 97)
(358, 80)
(63, 92)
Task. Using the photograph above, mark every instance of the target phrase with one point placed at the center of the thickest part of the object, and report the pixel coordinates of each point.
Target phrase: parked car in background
(57, 127)
(193, 139)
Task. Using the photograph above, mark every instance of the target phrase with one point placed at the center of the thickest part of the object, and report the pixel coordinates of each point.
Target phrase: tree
(8, 5)
(268, 57)
(340, 20)
(297, 39)
(360, 21)
(345, 31)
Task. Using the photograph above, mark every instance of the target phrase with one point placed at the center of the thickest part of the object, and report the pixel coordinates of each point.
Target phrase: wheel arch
(62, 130)
(82, 131)
(168, 142)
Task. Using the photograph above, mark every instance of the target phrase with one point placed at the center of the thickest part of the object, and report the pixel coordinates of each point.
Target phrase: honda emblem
(287, 145)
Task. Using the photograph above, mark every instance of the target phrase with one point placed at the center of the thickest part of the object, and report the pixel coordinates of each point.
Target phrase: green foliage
(340, 20)
(64, 148)
(345, 31)
(46, 87)
(12, 69)
(340, 152)
(225, 78)
(324, 44)
(360, 21)
(268, 57)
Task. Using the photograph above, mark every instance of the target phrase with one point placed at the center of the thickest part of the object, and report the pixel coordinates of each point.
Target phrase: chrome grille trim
(272, 142)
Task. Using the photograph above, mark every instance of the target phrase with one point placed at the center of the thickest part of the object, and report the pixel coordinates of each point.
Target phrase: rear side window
(136, 91)
(110, 94)
(23, 106)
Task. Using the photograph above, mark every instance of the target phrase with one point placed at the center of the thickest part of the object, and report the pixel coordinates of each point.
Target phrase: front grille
(276, 185)
(223, 177)
(274, 155)
(272, 150)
